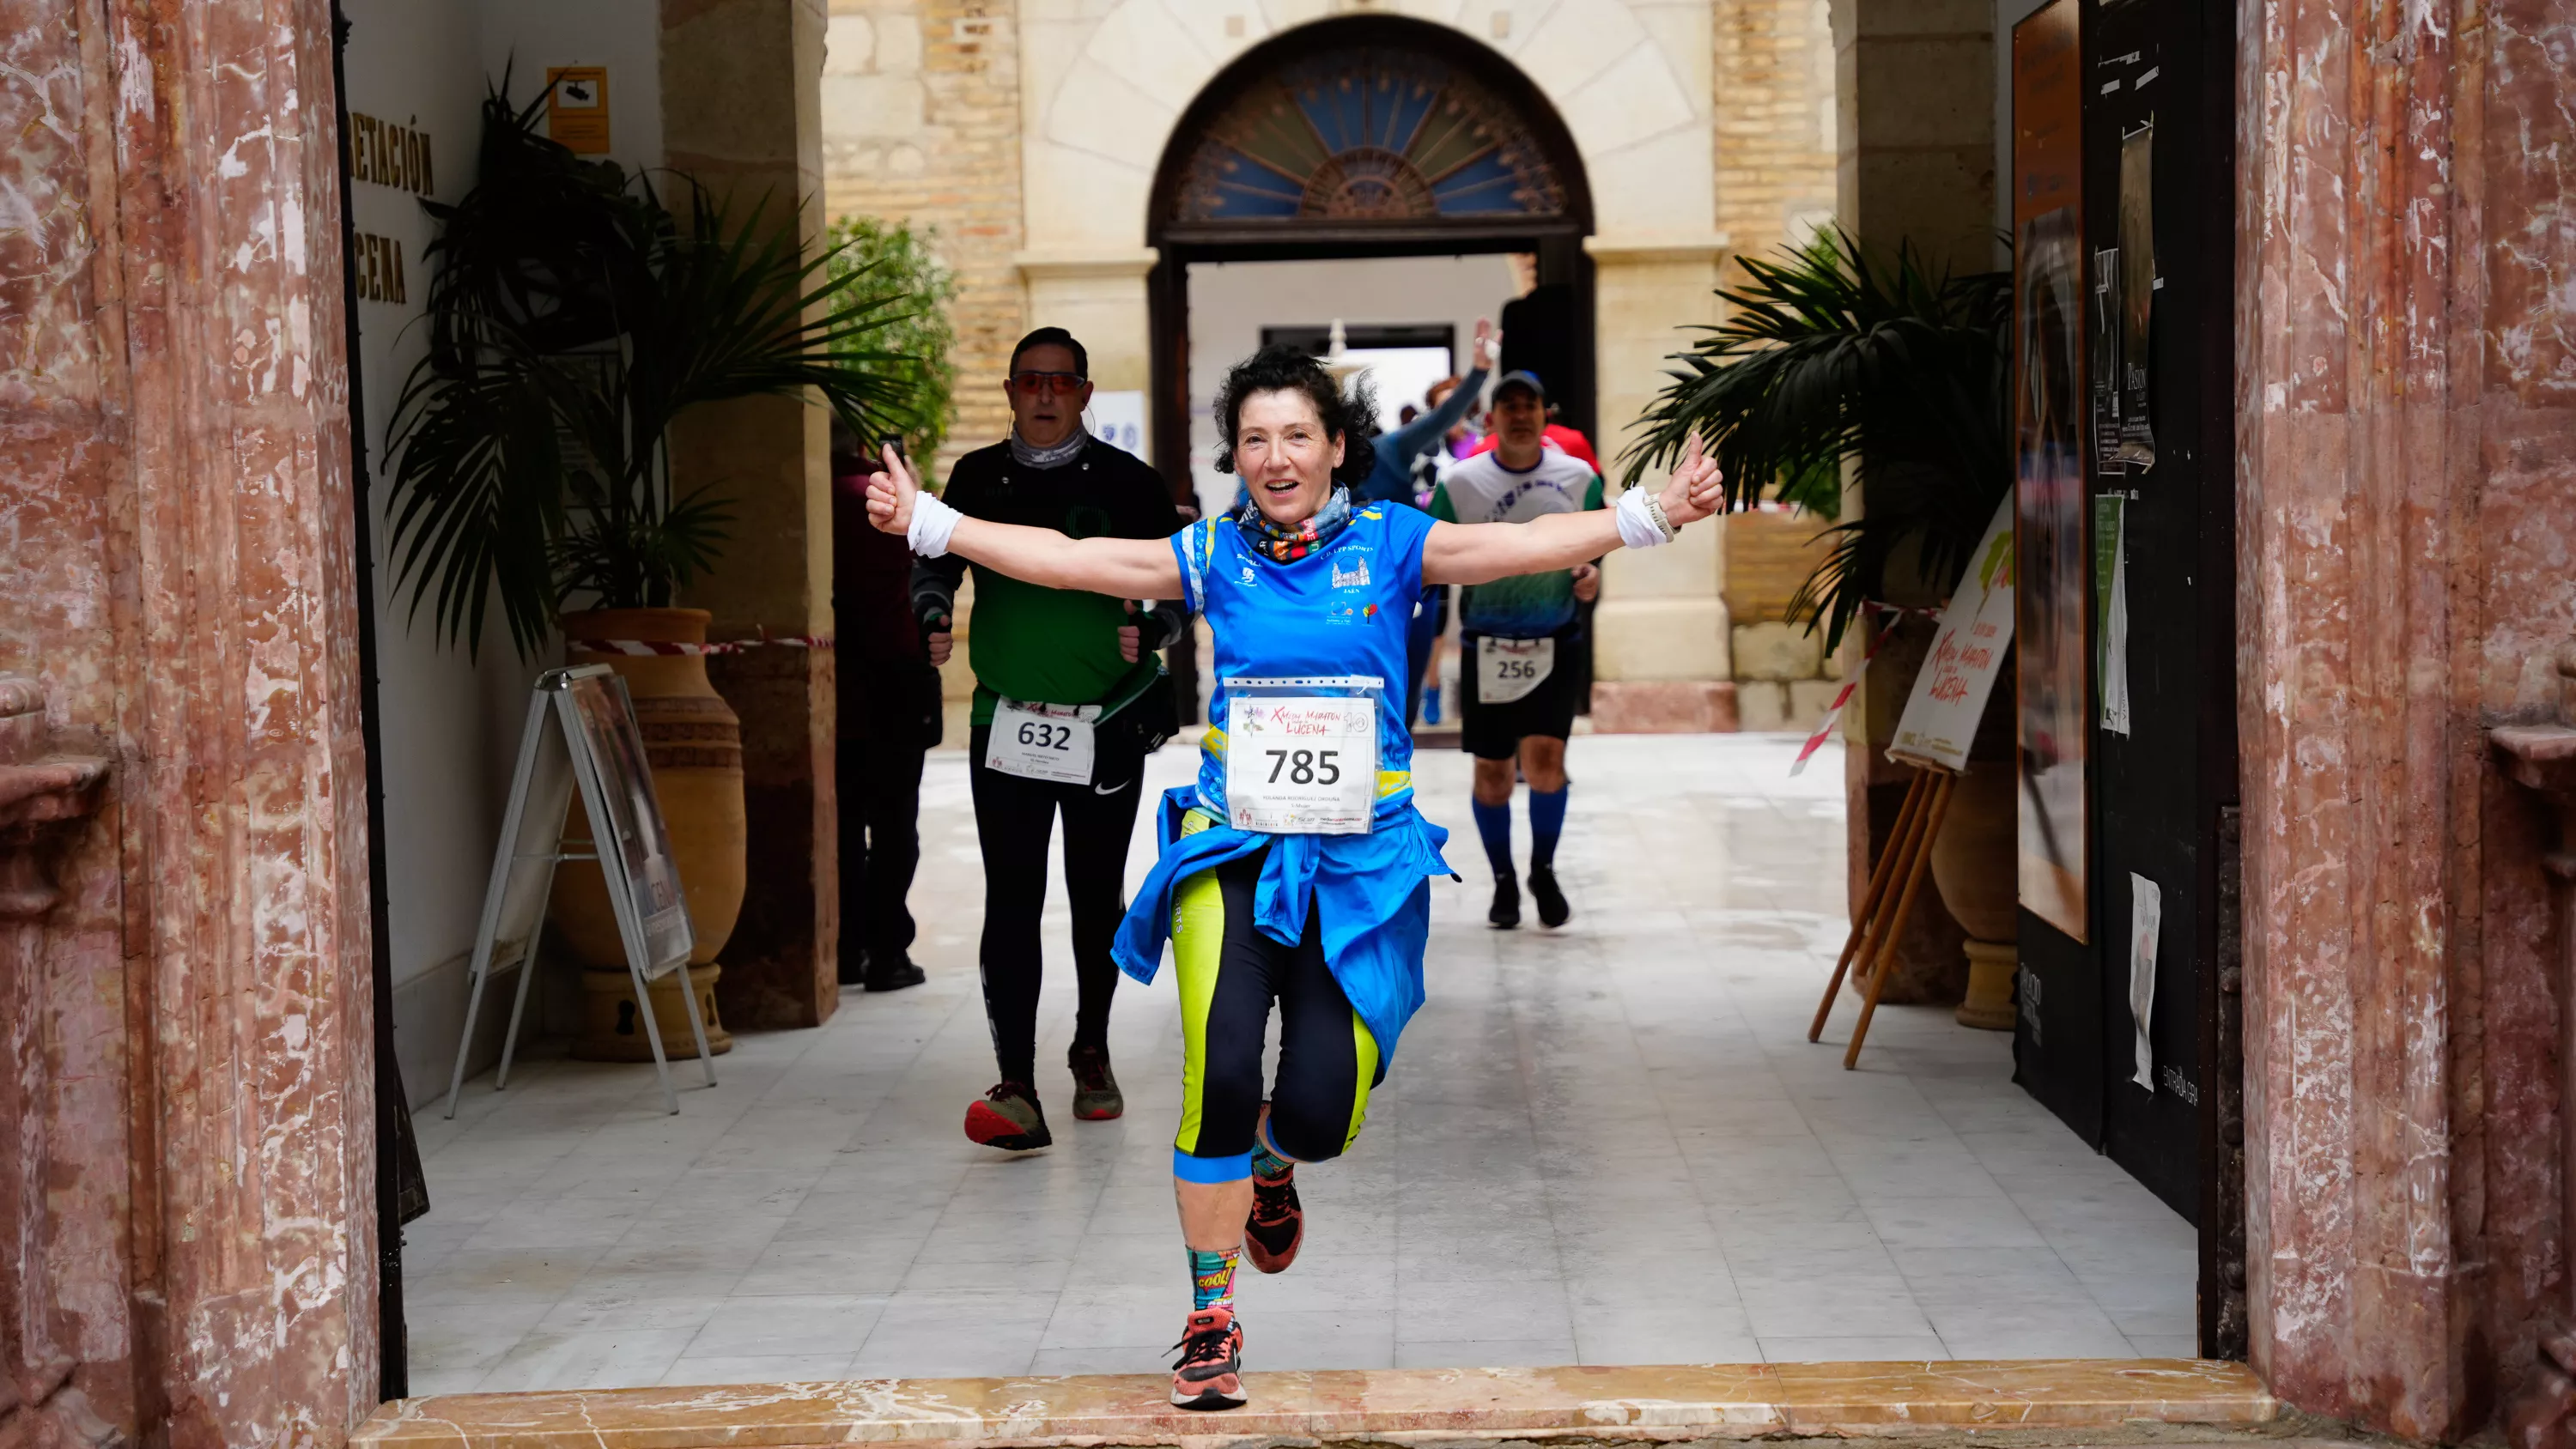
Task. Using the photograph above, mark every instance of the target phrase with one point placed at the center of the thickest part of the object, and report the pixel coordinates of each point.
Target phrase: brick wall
(1774, 114)
(921, 123)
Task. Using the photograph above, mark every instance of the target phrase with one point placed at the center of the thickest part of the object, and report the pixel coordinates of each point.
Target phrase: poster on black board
(2050, 407)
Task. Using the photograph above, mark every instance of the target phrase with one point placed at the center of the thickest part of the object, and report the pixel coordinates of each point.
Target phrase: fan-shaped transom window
(1366, 134)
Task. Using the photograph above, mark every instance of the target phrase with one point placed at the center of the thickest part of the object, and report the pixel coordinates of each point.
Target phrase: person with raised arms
(1296, 870)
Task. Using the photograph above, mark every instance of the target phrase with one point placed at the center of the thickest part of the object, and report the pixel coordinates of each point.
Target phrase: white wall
(623, 35)
(1231, 302)
(450, 723)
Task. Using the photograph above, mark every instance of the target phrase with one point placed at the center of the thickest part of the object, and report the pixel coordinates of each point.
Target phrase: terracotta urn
(1972, 864)
(1973, 867)
(693, 743)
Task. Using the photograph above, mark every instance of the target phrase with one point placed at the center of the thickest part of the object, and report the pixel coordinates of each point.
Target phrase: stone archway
(1368, 136)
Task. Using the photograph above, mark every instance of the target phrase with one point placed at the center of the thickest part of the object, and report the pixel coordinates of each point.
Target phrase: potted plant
(916, 346)
(573, 315)
(1827, 360)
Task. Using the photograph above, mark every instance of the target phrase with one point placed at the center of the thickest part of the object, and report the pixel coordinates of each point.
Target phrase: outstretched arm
(1123, 568)
(1418, 436)
(1476, 553)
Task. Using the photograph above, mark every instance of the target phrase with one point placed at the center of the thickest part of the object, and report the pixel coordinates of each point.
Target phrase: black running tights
(1013, 819)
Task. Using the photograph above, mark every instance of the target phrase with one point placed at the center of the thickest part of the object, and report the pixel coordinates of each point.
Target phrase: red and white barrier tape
(729, 646)
(1842, 696)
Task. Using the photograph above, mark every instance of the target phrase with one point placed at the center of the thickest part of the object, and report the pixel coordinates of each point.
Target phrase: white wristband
(1637, 525)
(932, 522)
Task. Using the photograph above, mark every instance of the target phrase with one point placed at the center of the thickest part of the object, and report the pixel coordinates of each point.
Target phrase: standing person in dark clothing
(1392, 479)
(1069, 699)
(888, 703)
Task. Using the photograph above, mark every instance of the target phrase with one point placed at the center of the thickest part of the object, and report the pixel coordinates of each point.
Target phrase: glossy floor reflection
(1608, 1144)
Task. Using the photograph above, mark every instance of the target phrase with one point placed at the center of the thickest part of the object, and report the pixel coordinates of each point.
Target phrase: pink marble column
(2406, 406)
(185, 1033)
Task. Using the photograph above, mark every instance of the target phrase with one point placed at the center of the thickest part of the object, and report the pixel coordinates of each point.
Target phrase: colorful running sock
(1266, 1163)
(1547, 822)
(1494, 823)
(1212, 1279)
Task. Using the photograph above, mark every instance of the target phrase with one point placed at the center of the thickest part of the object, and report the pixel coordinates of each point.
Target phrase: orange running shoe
(1210, 1373)
(1277, 1226)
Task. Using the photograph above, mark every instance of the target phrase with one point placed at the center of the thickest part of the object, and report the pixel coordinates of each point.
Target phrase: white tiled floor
(1610, 1144)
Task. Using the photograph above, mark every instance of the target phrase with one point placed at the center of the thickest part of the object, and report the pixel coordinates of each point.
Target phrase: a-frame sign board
(581, 732)
(1932, 737)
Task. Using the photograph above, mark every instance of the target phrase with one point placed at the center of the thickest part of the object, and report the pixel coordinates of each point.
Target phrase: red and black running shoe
(1096, 1097)
(1278, 1224)
(1008, 1117)
(1210, 1373)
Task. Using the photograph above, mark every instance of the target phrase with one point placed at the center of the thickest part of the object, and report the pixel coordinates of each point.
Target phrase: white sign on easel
(1940, 719)
(581, 732)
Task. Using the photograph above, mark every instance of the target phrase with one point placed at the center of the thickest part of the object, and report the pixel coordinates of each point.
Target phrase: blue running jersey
(1343, 609)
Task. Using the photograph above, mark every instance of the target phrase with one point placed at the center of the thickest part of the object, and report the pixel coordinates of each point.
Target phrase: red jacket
(1566, 440)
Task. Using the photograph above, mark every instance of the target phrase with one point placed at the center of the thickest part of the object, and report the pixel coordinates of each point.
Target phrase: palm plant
(573, 315)
(1824, 359)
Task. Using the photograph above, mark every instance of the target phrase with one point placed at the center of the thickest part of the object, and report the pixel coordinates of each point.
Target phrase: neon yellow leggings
(1230, 973)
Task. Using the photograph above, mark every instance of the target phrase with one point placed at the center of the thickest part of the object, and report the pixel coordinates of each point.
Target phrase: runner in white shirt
(1520, 673)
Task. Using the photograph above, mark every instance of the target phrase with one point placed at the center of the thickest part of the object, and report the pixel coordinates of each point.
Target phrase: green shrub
(897, 261)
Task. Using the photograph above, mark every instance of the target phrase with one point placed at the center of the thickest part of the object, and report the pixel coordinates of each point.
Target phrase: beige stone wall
(1915, 126)
(1775, 122)
(921, 122)
(1029, 133)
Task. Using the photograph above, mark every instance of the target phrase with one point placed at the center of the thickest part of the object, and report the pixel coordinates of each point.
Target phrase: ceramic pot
(693, 744)
(613, 1031)
(1972, 864)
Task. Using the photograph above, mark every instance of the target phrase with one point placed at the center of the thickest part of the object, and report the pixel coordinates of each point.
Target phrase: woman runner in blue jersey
(1296, 871)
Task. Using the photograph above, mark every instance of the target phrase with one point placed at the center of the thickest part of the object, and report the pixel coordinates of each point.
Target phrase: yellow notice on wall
(577, 110)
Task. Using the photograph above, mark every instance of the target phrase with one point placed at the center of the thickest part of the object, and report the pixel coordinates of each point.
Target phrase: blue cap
(1520, 377)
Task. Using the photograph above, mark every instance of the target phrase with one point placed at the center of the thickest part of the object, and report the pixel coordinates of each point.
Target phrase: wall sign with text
(385, 154)
(378, 261)
(577, 107)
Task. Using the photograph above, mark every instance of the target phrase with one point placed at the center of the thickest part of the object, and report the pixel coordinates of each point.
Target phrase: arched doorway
(1372, 136)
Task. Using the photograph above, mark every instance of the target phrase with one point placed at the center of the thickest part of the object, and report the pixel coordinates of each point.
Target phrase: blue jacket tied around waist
(1340, 611)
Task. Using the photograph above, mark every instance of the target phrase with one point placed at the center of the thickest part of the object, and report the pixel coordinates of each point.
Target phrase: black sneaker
(1552, 909)
(1506, 914)
(881, 976)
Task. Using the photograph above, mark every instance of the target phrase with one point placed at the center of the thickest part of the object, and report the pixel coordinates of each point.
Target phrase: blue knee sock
(1547, 822)
(1494, 823)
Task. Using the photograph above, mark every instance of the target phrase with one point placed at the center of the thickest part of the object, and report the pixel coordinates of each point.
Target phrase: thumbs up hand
(891, 491)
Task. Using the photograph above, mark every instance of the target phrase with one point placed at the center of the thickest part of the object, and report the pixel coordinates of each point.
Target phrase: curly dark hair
(1350, 417)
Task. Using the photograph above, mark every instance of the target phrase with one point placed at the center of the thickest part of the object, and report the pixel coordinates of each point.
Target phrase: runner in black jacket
(1069, 699)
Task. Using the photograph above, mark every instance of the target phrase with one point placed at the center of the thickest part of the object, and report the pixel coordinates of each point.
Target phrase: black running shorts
(1495, 731)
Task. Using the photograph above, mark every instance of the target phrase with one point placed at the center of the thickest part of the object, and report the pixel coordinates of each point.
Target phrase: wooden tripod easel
(1887, 907)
